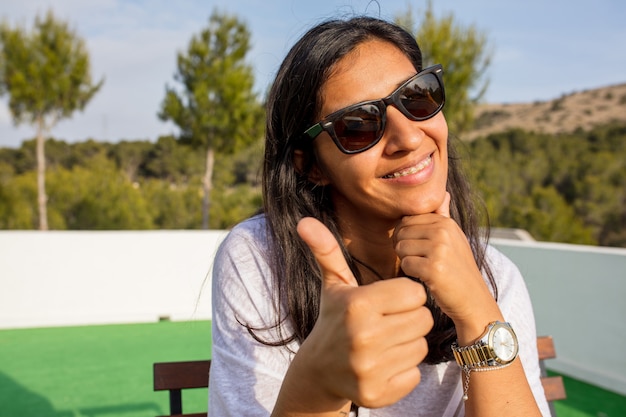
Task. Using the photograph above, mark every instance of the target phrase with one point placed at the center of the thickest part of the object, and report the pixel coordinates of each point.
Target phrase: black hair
(293, 105)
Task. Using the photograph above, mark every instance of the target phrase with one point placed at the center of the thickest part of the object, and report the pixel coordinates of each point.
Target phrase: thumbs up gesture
(368, 340)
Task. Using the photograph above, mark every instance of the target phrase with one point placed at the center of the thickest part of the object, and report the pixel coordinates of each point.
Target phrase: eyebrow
(405, 80)
(395, 88)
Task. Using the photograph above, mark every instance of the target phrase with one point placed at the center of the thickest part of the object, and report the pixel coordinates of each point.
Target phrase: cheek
(344, 174)
(440, 133)
(443, 179)
(441, 138)
(336, 168)
(444, 158)
(321, 172)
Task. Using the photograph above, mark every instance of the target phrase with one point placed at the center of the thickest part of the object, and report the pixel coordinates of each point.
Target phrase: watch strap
(478, 355)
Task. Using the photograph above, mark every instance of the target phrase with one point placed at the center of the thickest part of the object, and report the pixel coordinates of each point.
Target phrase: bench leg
(176, 402)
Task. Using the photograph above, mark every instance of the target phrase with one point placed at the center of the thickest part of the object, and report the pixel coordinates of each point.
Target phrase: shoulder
(512, 292)
(242, 283)
(506, 274)
(513, 297)
(246, 238)
(243, 254)
(500, 263)
(250, 230)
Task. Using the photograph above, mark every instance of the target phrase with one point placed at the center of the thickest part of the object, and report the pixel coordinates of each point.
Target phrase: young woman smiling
(365, 287)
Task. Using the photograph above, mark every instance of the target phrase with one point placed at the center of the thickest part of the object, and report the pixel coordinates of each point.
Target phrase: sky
(541, 49)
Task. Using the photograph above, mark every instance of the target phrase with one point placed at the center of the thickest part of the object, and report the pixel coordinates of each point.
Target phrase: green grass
(95, 371)
(585, 400)
(105, 371)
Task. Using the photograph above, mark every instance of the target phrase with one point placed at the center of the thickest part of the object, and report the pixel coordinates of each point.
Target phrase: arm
(433, 248)
(365, 338)
(366, 343)
(245, 375)
(515, 303)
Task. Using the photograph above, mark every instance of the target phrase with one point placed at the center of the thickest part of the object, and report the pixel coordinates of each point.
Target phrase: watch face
(504, 344)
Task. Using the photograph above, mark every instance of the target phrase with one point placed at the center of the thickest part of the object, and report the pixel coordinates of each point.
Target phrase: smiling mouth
(412, 170)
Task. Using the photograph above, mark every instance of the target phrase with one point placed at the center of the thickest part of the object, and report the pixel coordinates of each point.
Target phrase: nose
(401, 134)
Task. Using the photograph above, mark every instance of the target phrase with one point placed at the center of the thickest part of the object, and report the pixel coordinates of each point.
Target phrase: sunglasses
(358, 127)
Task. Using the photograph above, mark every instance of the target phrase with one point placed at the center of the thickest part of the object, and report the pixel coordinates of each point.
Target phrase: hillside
(567, 113)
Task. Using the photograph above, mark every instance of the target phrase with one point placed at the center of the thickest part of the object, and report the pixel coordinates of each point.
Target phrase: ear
(305, 166)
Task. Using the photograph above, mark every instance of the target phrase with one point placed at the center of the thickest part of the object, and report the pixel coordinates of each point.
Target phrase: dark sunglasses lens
(359, 127)
(423, 96)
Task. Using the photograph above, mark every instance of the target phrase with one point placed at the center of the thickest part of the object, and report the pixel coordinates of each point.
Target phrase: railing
(579, 297)
(83, 278)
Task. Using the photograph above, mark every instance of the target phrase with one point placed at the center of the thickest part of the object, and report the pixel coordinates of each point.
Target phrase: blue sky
(541, 49)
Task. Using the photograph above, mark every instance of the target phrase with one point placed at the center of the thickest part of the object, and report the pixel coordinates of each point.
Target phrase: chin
(417, 210)
(424, 207)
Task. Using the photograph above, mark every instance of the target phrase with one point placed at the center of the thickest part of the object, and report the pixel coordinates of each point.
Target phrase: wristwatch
(497, 347)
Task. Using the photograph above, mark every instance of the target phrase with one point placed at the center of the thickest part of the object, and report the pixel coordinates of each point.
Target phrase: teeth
(413, 170)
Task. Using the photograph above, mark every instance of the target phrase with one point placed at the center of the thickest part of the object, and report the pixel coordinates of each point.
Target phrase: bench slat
(553, 388)
(545, 347)
(181, 375)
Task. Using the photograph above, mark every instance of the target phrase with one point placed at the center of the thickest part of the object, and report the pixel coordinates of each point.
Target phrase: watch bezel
(495, 326)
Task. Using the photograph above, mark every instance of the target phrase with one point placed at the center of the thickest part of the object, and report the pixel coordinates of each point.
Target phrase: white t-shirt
(246, 375)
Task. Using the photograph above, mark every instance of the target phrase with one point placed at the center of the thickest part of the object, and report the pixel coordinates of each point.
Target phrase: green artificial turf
(106, 371)
(96, 371)
(585, 400)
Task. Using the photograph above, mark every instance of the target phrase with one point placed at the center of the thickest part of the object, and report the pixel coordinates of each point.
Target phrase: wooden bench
(552, 385)
(177, 376)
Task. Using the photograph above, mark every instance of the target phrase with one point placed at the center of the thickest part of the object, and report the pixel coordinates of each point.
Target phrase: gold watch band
(475, 356)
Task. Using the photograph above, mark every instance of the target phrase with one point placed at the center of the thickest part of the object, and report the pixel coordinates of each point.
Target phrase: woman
(348, 294)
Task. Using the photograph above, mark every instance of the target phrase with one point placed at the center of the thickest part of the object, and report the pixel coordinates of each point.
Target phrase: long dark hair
(293, 104)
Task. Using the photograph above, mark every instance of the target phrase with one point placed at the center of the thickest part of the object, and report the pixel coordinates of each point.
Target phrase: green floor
(102, 371)
(584, 400)
(95, 371)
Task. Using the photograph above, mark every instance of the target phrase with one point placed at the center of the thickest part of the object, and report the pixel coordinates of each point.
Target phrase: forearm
(500, 393)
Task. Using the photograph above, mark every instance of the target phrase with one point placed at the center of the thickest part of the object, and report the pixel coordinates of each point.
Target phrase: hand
(368, 340)
(433, 248)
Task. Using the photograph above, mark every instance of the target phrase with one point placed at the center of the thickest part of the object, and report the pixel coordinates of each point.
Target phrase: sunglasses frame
(327, 123)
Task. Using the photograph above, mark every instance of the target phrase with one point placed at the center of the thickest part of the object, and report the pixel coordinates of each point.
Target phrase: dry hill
(584, 109)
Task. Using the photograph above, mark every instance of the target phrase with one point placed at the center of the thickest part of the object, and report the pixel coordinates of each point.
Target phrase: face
(403, 174)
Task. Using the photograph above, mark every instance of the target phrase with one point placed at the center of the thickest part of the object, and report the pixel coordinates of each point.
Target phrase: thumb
(444, 208)
(335, 269)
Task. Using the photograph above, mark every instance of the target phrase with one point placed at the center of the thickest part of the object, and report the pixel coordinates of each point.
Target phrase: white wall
(76, 278)
(579, 297)
(84, 278)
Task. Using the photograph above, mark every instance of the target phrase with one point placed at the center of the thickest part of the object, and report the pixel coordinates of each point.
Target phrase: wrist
(469, 331)
(497, 348)
(302, 392)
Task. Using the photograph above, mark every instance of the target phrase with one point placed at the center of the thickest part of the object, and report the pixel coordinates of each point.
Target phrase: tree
(216, 110)
(463, 52)
(173, 162)
(46, 73)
